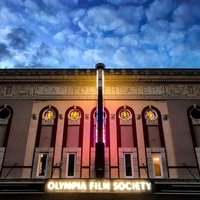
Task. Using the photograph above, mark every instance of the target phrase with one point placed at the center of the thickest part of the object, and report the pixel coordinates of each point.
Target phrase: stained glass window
(74, 114)
(49, 115)
(151, 115)
(125, 114)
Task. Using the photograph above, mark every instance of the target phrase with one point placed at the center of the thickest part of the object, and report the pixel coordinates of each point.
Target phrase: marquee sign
(98, 185)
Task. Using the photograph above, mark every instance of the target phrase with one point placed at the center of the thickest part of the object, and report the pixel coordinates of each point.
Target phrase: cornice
(88, 75)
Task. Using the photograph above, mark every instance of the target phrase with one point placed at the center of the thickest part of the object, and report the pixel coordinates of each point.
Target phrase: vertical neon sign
(99, 156)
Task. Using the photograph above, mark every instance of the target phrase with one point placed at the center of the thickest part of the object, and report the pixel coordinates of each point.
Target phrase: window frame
(74, 164)
(38, 165)
(52, 123)
(156, 123)
(160, 165)
(131, 159)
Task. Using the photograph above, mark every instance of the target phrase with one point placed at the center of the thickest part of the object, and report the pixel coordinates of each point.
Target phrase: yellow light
(98, 186)
(156, 158)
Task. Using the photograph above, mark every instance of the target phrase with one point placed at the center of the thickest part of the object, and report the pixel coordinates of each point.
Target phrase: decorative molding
(158, 91)
(89, 75)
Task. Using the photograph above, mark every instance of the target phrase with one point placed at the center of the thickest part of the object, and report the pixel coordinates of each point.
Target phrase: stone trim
(77, 151)
(50, 152)
(88, 75)
(2, 151)
(161, 151)
(71, 91)
(135, 170)
(197, 149)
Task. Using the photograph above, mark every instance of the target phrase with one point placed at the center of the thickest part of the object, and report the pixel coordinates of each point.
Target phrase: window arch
(152, 126)
(73, 130)
(93, 131)
(126, 129)
(193, 113)
(47, 126)
(6, 113)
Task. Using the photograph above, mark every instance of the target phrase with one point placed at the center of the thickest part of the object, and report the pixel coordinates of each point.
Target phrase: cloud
(149, 32)
(130, 40)
(93, 56)
(186, 15)
(120, 33)
(111, 41)
(7, 17)
(19, 38)
(62, 35)
(192, 37)
(132, 14)
(31, 5)
(46, 18)
(121, 56)
(104, 18)
(83, 27)
(77, 15)
(4, 52)
(160, 11)
(120, 2)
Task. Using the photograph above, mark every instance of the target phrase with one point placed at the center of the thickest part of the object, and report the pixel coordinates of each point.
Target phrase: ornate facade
(151, 127)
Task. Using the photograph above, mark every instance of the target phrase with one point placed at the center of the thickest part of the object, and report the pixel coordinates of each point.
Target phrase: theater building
(49, 131)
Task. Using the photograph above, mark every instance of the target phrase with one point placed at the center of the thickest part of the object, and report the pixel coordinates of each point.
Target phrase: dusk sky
(81, 33)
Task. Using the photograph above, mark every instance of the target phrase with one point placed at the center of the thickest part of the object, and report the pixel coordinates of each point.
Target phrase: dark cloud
(4, 52)
(43, 50)
(19, 38)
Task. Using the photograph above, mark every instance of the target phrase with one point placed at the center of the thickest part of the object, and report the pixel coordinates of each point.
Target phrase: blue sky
(81, 33)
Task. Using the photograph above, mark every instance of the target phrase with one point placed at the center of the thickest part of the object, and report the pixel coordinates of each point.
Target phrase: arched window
(5, 122)
(126, 129)
(127, 142)
(194, 122)
(152, 125)
(73, 130)
(72, 143)
(93, 131)
(46, 134)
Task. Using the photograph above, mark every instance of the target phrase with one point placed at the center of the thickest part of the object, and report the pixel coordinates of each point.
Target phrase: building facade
(48, 132)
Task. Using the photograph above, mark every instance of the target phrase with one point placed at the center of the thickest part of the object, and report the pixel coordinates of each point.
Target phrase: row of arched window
(126, 128)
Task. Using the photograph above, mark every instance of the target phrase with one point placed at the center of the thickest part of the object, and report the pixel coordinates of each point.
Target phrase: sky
(81, 33)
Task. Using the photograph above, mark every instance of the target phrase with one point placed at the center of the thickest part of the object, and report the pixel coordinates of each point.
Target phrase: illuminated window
(125, 114)
(42, 165)
(74, 114)
(71, 159)
(157, 165)
(151, 114)
(128, 165)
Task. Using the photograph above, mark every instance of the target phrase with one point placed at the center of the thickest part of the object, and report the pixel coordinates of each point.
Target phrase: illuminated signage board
(98, 185)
